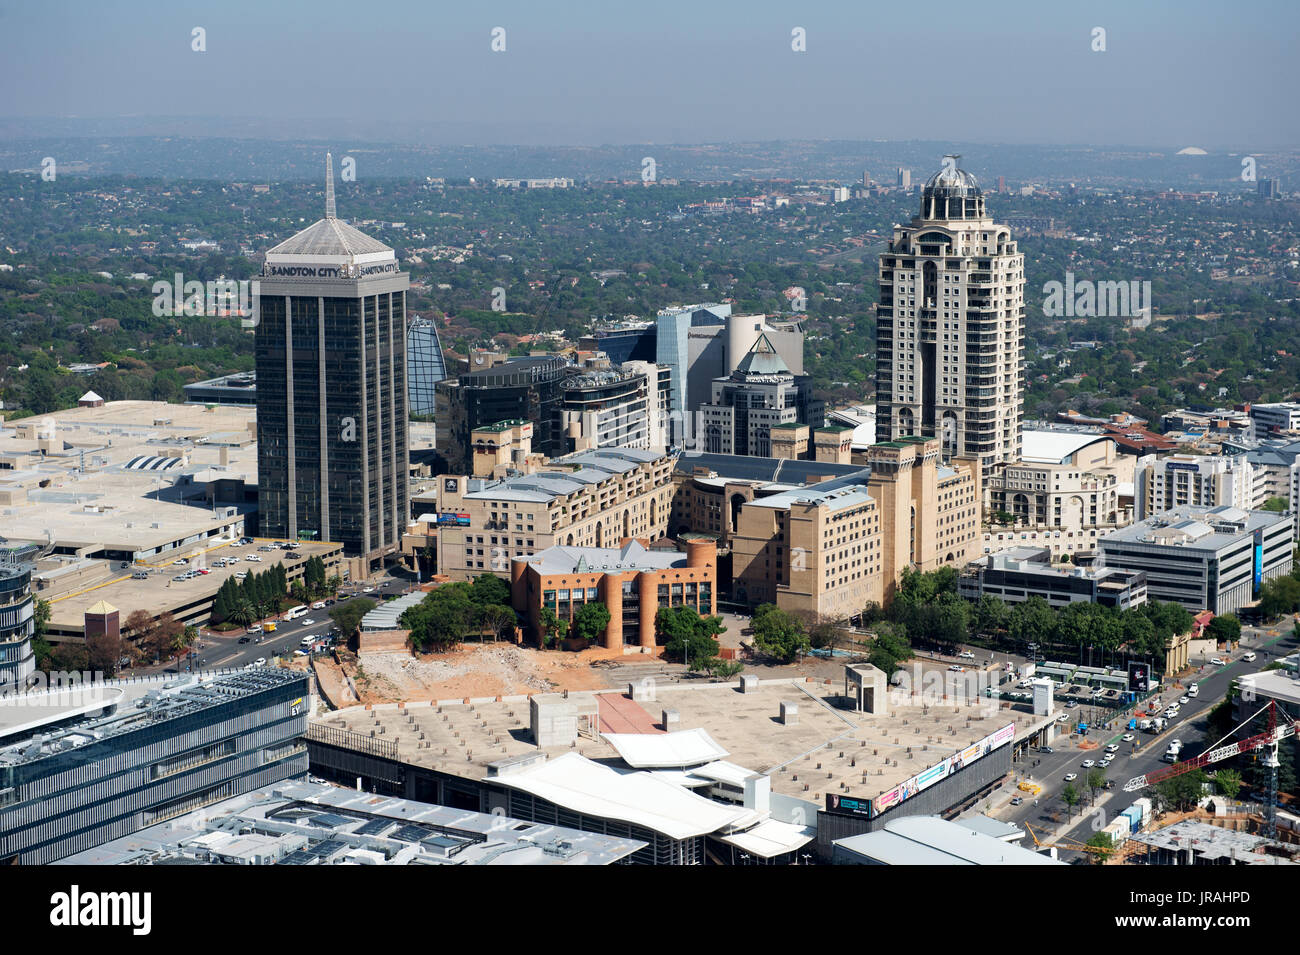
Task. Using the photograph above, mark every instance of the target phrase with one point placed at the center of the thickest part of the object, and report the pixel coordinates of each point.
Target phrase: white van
(296, 612)
(1194, 690)
(318, 605)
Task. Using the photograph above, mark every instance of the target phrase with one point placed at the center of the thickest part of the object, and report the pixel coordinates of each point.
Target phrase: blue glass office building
(425, 366)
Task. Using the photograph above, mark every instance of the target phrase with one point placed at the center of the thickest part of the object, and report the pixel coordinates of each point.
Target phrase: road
(223, 650)
(1141, 756)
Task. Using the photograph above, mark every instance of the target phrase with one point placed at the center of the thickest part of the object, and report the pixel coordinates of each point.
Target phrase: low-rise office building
(1018, 573)
(1204, 558)
(82, 765)
(632, 581)
(595, 498)
(1162, 484)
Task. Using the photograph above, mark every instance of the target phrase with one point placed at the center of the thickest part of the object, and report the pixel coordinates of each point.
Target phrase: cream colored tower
(950, 326)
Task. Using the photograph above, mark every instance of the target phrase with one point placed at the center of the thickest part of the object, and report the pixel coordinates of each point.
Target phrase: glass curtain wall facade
(425, 366)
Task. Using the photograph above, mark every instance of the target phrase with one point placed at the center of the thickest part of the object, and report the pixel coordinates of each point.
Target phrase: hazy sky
(1212, 74)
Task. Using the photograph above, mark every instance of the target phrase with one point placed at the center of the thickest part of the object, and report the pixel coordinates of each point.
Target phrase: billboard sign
(449, 519)
(1138, 676)
(943, 769)
(847, 806)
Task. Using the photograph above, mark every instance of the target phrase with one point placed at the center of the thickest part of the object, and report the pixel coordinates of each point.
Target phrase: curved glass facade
(425, 366)
(17, 615)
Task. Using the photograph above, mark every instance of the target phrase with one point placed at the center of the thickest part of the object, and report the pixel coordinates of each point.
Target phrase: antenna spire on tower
(329, 186)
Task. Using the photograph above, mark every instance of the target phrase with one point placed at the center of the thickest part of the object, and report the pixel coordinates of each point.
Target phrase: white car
(1063, 718)
(367, 590)
(255, 628)
(260, 662)
(1218, 662)
(1088, 764)
(957, 669)
(1183, 701)
(966, 655)
(180, 560)
(1112, 748)
(1129, 737)
(1070, 777)
(307, 621)
(253, 557)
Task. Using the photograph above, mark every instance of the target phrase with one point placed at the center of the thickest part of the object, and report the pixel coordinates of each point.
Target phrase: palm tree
(244, 613)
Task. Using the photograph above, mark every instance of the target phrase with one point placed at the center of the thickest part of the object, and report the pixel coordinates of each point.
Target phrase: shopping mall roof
(302, 823)
(580, 785)
(682, 748)
(930, 840)
(1055, 447)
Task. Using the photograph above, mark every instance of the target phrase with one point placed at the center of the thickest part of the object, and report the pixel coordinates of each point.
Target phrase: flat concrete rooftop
(828, 749)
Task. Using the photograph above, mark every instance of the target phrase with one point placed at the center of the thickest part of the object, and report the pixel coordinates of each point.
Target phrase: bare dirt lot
(500, 669)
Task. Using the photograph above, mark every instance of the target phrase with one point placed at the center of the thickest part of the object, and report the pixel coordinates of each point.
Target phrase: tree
(1279, 596)
(347, 616)
(778, 635)
(499, 620)
(687, 636)
(244, 613)
(1228, 781)
(1032, 621)
(1180, 793)
(1224, 629)
(991, 615)
(489, 589)
(1105, 845)
(553, 629)
(104, 651)
(590, 621)
(1096, 782)
(889, 648)
(724, 669)
(1070, 796)
(440, 621)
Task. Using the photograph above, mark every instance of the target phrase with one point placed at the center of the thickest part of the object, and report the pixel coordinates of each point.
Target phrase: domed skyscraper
(950, 326)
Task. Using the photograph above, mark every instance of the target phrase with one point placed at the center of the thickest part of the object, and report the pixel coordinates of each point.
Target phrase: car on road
(1070, 777)
(1129, 737)
(966, 655)
(1088, 763)
(1112, 748)
(180, 560)
(1063, 718)
(1017, 800)
(1184, 700)
(367, 590)
(1072, 704)
(1032, 788)
(245, 639)
(255, 628)
(260, 662)
(1218, 662)
(307, 621)
(1176, 742)
(1249, 657)
(957, 669)
(1046, 750)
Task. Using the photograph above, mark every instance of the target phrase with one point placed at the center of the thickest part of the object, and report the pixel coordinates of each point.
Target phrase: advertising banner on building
(942, 770)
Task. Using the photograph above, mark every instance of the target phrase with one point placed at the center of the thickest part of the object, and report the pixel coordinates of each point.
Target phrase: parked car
(966, 655)
(253, 557)
(255, 628)
(1218, 662)
(180, 560)
(367, 590)
(1017, 800)
(957, 669)
(1046, 750)
(260, 662)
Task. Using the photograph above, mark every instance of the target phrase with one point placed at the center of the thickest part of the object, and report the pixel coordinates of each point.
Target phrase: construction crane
(1072, 845)
(1267, 741)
